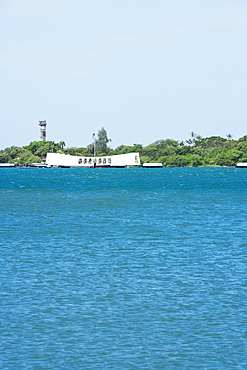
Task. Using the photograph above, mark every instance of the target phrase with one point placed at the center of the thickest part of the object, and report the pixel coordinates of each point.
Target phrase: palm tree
(61, 144)
(192, 139)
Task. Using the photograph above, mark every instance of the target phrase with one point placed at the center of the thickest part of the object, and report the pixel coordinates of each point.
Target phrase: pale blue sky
(143, 69)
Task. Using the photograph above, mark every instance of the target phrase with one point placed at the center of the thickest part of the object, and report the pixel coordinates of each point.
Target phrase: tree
(161, 144)
(61, 144)
(177, 161)
(228, 157)
(195, 160)
(4, 157)
(102, 141)
(28, 157)
(48, 147)
(89, 151)
(244, 138)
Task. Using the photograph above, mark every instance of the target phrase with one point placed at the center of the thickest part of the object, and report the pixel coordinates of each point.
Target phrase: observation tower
(42, 134)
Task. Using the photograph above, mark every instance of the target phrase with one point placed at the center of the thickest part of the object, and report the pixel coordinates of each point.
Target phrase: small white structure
(7, 165)
(242, 165)
(66, 160)
(152, 165)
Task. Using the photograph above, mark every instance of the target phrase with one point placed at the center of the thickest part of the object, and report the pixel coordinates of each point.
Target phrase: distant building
(42, 130)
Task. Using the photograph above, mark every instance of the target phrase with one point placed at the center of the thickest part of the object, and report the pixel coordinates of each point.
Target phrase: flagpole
(94, 146)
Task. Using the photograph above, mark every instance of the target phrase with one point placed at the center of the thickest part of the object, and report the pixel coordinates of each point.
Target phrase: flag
(93, 136)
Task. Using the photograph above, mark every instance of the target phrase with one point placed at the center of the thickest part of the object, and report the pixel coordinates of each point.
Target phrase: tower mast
(42, 130)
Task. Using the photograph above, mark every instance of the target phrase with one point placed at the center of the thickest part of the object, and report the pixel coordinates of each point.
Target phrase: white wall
(57, 159)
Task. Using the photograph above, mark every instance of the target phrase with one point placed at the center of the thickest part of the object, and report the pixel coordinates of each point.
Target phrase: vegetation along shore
(194, 152)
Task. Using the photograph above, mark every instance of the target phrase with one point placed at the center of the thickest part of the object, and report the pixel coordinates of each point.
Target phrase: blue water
(123, 268)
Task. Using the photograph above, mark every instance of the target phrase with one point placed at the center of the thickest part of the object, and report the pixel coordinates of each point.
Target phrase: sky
(144, 70)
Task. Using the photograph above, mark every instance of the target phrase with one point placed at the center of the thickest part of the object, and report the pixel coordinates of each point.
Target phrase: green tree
(161, 144)
(27, 157)
(49, 147)
(144, 159)
(243, 138)
(102, 141)
(195, 160)
(42, 147)
(228, 157)
(61, 144)
(4, 157)
(177, 161)
(89, 151)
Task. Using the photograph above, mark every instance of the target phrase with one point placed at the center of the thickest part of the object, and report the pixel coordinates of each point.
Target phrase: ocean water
(123, 268)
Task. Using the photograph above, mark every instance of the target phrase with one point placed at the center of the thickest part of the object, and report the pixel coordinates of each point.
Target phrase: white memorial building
(66, 160)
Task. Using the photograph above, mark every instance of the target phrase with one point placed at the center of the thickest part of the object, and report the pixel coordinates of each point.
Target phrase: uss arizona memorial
(66, 160)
